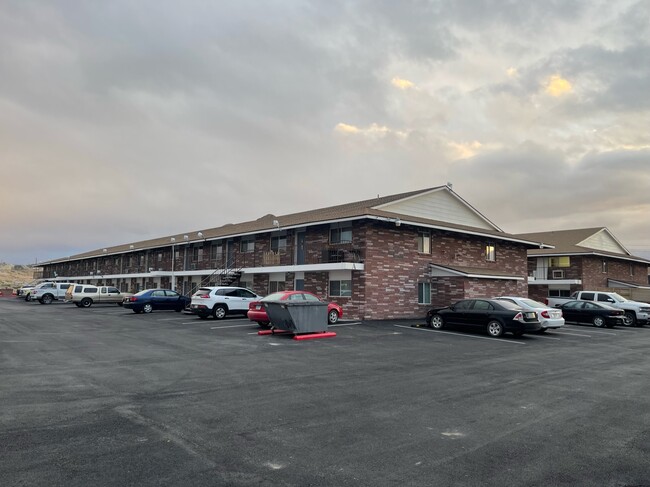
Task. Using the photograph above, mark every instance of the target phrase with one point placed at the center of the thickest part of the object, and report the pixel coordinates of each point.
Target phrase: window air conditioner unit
(558, 274)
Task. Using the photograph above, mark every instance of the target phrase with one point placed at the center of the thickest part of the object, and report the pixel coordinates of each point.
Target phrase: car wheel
(332, 317)
(629, 319)
(495, 329)
(264, 324)
(46, 299)
(598, 321)
(86, 303)
(219, 312)
(28, 297)
(437, 322)
(147, 308)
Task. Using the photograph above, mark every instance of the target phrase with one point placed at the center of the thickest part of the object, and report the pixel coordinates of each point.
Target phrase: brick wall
(393, 268)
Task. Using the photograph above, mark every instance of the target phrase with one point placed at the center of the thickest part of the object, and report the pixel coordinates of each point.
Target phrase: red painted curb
(311, 336)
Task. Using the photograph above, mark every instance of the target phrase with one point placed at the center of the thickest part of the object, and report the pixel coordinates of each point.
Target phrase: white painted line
(230, 326)
(346, 324)
(573, 334)
(514, 342)
(173, 319)
(546, 337)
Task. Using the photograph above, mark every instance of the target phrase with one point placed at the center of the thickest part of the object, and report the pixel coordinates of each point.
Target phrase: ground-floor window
(277, 282)
(340, 283)
(424, 293)
(559, 293)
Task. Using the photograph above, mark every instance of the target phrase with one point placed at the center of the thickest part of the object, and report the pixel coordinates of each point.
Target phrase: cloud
(558, 86)
(402, 84)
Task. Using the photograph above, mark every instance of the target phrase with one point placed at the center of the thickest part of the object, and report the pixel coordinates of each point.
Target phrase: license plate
(531, 315)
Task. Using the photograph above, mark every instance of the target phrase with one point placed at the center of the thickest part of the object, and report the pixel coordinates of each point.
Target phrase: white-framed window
(491, 252)
(424, 242)
(278, 242)
(340, 283)
(341, 234)
(424, 293)
(277, 282)
(247, 244)
(197, 254)
(159, 257)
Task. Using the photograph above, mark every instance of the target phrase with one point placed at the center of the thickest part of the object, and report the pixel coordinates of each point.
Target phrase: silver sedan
(548, 317)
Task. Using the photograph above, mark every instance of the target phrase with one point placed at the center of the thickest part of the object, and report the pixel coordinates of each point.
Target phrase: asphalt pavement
(104, 397)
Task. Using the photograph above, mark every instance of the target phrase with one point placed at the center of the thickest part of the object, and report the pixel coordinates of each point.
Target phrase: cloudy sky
(122, 120)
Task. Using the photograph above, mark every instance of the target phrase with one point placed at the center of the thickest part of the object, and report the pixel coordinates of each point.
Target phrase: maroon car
(256, 311)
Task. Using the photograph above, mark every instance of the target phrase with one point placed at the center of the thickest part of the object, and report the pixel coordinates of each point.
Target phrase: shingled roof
(565, 242)
(355, 210)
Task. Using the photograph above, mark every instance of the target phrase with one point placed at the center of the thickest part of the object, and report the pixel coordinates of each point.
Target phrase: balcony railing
(552, 273)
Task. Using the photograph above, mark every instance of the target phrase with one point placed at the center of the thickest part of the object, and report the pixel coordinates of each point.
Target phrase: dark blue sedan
(156, 299)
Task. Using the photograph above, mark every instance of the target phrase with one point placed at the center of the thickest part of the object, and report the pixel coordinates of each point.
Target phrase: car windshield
(509, 305)
(274, 297)
(202, 290)
(532, 303)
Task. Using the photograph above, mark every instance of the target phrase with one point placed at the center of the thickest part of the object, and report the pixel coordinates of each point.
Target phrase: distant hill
(12, 276)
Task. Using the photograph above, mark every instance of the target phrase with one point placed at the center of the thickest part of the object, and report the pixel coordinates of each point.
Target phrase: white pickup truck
(46, 292)
(636, 313)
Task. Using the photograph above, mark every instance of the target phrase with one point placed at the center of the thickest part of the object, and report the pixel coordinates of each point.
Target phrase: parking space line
(602, 332)
(514, 342)
(546, 337)
(231, 326)
(573, 334)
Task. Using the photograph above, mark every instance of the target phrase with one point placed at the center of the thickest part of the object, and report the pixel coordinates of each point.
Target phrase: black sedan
(496, 317)
(160, 299)
(592, 313)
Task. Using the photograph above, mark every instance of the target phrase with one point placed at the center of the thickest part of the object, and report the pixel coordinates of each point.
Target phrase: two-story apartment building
(581, 259)
(387, 257)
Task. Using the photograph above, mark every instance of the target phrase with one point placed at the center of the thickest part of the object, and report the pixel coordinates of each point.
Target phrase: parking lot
(104, 397)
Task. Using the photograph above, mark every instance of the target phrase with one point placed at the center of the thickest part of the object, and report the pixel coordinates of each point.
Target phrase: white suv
(46, 292)
(220, 301)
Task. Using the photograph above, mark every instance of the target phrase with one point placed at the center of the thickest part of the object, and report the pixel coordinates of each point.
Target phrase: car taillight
(204, 296)
(133, 299)
(518, 316)
(545, 314)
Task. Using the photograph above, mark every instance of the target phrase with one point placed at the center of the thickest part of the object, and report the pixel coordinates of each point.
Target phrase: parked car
(85, 295)
(220, 301)
(46, 292)
(597, 314)
(548, 317)
(149, 300)
(257, 312)
(25, 292)
(496, 317)
(636, 313)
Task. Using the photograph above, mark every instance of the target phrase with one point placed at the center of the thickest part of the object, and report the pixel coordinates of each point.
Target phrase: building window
(247, 245)
(559, 293)
(563, 261)
(216, 251)
(491, 252)
(278, 242)
(197, 254)
(277, 282)
(604, 266)
(246, 282)
(341, 235)
(424, 293)
(159, 258)
(632, 269)
(341, 288)
(424, 242)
